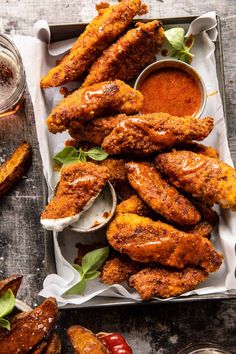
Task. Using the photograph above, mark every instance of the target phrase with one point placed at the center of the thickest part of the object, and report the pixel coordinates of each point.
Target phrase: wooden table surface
(149, 329)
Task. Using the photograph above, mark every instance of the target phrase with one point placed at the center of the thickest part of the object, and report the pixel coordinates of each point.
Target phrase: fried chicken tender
(117, 270)
(199, 149)
(97, 129)
(98, 35)
(160, 195)
(206, 178)
(133, 205)
(148, 133)
(164, 283)
(79, 185)
(129, 55)
(85, 104)
(144, 240)
(203, 229)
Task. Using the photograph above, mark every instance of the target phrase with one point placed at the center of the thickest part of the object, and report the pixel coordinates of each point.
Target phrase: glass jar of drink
(12, 77)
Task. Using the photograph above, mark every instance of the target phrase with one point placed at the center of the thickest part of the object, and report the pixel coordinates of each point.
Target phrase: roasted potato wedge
(54, 344)
(12, 283)
(40, 348)
(31, 329)
(84, 341)
(14, 168)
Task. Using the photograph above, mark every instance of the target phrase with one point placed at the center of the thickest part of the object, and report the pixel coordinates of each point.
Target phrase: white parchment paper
(38, 56)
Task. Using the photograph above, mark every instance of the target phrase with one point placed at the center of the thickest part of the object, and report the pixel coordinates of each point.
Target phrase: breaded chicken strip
(199, 149)
(117, 270)
(129, 55)
(88, 103)
(164, 283)
(98, 35)
(97, 129)
(160, 195)
(203, 228)
(79, 185)
(133, 205)
(144, 240)
(152, 132)
(206, 178)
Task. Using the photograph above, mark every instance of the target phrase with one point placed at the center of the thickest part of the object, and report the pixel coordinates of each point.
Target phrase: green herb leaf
(71, 160)
(66, 154)
(5, 324)
(82, 155)
(7, 303)
(78, 268)
(78, 288)
(97, 154)
(92, 275)
(175, 37)
(94, 259)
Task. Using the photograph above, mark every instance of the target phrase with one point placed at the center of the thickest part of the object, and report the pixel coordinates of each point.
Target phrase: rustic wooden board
(150, 329)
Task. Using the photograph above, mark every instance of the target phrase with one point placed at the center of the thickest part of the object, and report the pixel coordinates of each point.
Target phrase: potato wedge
(31, 329)
(40, 348)
(14, 168)
(83, 341)
(12, 283)
(54, 344)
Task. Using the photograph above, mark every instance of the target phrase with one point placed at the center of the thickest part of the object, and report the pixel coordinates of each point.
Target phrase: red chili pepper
(115, 342)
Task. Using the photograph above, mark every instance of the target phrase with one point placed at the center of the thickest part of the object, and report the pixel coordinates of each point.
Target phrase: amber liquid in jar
(12, 78)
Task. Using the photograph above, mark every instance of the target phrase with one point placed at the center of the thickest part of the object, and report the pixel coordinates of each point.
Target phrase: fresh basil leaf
(97, 154)
(175, 37)
(92, 275)
(185, 57)
(5, 324)
(64, 155)
(7, 303)
(82, 155)
(94, 259)
(78, 268)
(71, 160)
(76, 289)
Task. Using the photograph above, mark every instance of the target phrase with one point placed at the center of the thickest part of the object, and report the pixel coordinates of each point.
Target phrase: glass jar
(203, 348)
(12, 77)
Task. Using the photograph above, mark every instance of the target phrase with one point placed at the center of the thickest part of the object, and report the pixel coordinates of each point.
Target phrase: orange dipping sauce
(171, 90)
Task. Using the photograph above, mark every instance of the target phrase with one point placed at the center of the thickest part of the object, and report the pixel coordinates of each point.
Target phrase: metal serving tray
(67, 31)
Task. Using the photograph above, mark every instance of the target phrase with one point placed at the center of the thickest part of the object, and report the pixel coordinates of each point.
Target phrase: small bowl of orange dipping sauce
(172, 86)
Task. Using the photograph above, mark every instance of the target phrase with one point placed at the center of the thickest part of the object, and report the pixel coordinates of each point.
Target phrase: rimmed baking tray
(67, 31)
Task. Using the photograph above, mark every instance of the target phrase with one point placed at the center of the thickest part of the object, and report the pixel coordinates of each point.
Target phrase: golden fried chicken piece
(199, 149)
(160, 195)
(133, 205)
(79, 185)
(149, 133)
(208, 214)
(88, 103)
(144, 240)
(117, 270)
(164, 283)
(97, 129)
(206, 178)
(102, 30)
(129, 55)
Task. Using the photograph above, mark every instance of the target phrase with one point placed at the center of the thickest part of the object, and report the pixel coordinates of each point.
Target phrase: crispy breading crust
(101, 31)
(129, 55)
(164, 283)
(97, 129)
(54, 344)
(206, 178)
(117, 270)
(79, 183)
(14, 168)
(160, 195)
(133, 205)
(148, 133)
(144, 240)
(88, 103)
